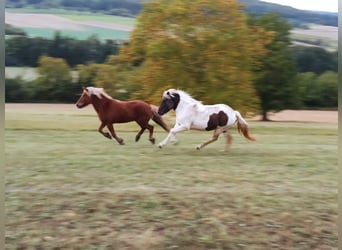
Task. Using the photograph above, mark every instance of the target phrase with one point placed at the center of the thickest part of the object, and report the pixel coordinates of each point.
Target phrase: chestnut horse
(111, 111)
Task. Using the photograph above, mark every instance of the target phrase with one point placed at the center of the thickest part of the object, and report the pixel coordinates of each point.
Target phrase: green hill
(131, 8)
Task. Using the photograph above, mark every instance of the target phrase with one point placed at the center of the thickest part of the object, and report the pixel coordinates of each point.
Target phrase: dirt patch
(328, 32)
(41, 21)
(49, 21)
(106, 25)
(303, 116)
(283, 116)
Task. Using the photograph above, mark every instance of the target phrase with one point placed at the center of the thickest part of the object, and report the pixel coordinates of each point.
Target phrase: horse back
(127, 111)
(212, 116)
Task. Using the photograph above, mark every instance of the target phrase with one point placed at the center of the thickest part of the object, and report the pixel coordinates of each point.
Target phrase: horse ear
(170, 94)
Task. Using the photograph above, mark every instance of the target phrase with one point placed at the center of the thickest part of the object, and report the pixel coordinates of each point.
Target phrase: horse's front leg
(118, 139)
(105, 134)
(172, 134)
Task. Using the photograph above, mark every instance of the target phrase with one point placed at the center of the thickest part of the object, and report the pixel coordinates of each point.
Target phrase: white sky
(319, 5)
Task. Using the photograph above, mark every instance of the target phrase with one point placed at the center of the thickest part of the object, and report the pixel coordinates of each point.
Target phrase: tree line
(21, 50)
(26, 51)
(218, 56)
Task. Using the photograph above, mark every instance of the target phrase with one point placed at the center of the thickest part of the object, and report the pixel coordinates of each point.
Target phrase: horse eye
(168, 93)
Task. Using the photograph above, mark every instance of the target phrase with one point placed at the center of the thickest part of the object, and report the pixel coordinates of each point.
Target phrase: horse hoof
(175, 143)
(198, 147)
(160, 146)
(153, 141)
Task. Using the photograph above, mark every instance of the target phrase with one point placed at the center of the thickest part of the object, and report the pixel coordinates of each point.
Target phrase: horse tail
(242, 126)
(158, 119)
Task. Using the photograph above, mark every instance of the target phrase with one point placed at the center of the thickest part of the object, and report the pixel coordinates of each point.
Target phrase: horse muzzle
(79, 105)
(161, 112)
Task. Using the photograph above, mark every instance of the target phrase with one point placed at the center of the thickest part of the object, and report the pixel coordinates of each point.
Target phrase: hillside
(294, 16)
(131, 8)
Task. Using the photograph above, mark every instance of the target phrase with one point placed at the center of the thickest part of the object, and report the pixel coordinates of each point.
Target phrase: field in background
(81, 25)
(317, 35)
(70, 188)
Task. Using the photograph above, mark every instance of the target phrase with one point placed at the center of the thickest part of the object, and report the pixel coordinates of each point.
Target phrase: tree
(103, 76)
(328, 82)
(15, 91)
(275, 76)
(318, 91)
(314, 59)
(307, 89)
(54, 83)
(201, 46)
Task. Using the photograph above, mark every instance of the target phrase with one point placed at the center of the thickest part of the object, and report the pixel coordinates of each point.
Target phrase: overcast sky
(320, 5)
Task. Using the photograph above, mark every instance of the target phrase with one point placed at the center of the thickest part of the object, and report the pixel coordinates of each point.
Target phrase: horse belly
(200, 123)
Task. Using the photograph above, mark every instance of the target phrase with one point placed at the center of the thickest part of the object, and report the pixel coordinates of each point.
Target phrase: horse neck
(99, 103)
(186, 103)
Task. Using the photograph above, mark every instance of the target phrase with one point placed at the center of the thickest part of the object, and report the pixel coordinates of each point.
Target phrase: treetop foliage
(196, 45)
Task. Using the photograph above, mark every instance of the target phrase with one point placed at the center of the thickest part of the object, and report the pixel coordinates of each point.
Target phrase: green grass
(100, 17)
(68, 187)
(102, 33)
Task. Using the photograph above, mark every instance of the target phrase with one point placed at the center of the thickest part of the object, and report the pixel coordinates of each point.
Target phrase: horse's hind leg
(216, 134)
(137, 137)
(144, 125)
(151, 138)
(112, 131)
(229, 140)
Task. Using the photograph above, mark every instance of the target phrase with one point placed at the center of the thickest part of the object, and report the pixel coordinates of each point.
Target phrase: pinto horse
(192, 114)
(111, 111)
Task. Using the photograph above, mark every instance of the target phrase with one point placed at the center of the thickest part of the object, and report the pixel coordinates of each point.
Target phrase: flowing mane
(99, 92)
(187, 97)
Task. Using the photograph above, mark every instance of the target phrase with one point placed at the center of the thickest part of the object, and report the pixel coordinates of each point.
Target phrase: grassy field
(78, 25)
(67, 187)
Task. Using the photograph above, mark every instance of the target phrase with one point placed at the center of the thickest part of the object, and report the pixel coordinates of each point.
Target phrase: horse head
(85, 98)
(170, 101)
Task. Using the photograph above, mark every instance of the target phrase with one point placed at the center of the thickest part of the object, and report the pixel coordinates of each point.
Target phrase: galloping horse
(111, 111)
(192, 114)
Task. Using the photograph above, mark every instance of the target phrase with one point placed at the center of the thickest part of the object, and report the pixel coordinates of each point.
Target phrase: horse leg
(215, 136)
(144, 125)
(137, 137)
(151, 128)
(172, 134)
(112, 131)
(229, 140)
(105, 134)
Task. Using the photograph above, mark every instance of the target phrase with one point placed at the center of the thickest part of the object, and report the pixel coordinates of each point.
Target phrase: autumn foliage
(201, 46)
